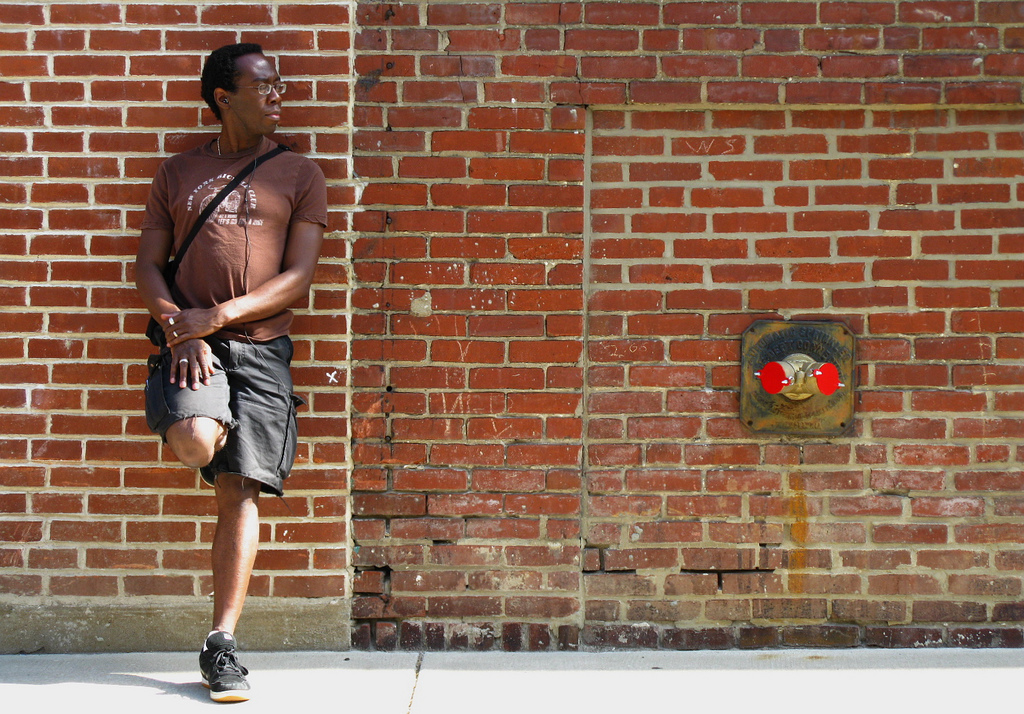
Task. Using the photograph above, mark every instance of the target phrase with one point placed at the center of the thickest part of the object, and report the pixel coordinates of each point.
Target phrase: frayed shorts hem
(268, 484)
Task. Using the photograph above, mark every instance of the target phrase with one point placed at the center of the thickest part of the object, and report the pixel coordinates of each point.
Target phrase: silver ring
(174, 332)
(181, 361)
(170, 321)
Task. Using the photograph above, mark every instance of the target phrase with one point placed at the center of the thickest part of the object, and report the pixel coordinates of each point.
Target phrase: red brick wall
(93, 97)
(522, 352)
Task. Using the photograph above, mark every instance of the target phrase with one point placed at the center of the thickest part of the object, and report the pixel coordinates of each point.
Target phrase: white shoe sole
(232, 695)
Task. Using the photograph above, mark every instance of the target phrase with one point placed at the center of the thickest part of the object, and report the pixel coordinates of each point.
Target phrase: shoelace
(225, 662)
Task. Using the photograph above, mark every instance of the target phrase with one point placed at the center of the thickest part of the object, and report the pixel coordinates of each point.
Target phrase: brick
(743, 92)
(767, 13)
(903, 93)
(904, 636)
(938, 66)
(746, 170)
(983, 92)
(943, 611)
(779, 66)
(933, 534)
(669, 223)
(931, 11)
(903, 585)
(983, 637)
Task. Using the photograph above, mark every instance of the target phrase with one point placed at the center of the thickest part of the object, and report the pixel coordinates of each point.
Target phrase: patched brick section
(796, 214)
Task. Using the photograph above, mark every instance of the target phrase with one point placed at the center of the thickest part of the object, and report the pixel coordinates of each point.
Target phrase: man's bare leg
(236, 540)
(235, 543)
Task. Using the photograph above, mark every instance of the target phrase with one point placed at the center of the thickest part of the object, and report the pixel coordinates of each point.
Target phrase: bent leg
(193, 422)
(235, 543)
(195, 440)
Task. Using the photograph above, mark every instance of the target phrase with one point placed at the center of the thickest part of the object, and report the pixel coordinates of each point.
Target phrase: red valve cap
(827, 376)
(774, 377)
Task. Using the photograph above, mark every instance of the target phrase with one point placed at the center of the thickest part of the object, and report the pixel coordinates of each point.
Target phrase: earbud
(224, 101)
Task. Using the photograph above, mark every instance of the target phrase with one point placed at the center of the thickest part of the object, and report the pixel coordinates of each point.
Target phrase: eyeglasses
(264, 88)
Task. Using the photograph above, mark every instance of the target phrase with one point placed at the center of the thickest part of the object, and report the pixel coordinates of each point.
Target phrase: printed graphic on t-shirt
(233, 210)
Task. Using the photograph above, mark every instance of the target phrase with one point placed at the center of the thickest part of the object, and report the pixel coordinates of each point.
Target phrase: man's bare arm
(152, 257)
(279, 293)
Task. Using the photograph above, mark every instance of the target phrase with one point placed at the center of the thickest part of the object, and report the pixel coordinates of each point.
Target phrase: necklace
(218, 146)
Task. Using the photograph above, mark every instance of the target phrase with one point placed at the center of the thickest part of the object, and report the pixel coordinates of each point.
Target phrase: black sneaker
(221, 672)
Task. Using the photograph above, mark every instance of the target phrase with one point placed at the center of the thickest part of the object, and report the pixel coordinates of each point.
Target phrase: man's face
(258, 114)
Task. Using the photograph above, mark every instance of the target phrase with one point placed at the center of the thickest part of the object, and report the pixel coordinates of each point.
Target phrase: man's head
(221, 71)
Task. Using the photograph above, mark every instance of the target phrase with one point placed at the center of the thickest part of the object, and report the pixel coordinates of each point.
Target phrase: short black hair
(220, 72)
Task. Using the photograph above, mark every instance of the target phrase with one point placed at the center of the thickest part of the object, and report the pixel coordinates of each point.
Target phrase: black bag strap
(179, 255)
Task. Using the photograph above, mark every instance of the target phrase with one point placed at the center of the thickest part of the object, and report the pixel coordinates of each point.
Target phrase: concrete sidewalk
(762, 682)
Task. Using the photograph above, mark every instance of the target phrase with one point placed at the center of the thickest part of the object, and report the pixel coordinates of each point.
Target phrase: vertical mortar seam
(588, 157)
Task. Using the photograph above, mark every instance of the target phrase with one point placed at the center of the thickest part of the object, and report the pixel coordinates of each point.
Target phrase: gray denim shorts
(250, 393)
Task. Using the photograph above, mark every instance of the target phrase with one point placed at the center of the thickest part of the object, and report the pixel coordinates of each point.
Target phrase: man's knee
(235, 488)
(237, 499)
(195, 440)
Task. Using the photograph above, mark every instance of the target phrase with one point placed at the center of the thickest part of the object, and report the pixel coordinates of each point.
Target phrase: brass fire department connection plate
(772, 341)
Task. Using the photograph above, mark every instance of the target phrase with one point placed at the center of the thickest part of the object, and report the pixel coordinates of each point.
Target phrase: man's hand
(179, 327)
(191, 361)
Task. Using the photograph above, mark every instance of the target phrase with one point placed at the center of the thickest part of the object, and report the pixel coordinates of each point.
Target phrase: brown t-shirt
(242, 244)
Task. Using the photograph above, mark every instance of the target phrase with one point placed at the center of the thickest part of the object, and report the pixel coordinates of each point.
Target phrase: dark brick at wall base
(514, 637)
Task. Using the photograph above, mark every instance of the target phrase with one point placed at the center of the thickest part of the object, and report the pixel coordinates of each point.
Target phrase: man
(220, 393)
